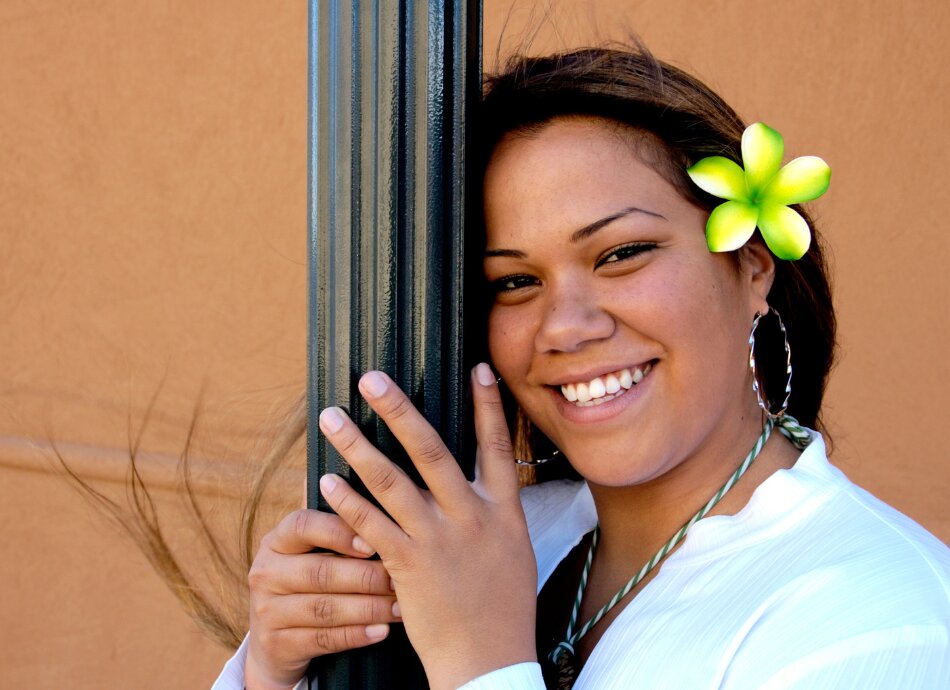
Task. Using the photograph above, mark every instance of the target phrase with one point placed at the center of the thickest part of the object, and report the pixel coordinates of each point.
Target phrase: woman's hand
(459, 555)
(307, 604)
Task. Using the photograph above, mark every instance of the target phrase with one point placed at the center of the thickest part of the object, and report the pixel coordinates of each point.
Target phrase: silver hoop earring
(539, 461)
(764, 403)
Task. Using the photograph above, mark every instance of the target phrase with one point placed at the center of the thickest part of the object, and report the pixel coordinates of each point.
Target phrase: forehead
(571, 171)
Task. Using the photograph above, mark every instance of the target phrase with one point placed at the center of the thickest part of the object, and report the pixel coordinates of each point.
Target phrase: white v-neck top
(814, 585)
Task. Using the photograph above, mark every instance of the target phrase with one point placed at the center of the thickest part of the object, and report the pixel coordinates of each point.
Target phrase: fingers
(496, 463)
(306, 604)
(366, 518)
(326, 610)
(435, 463)
(320, 573)
(390, 486)
(304, 530)
(314, 642)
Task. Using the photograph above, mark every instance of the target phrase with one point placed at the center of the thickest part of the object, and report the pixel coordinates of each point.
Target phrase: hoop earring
(532, 462)
(539, 461)
(764, 404)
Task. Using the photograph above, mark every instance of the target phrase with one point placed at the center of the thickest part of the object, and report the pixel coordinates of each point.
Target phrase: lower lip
(604, 411)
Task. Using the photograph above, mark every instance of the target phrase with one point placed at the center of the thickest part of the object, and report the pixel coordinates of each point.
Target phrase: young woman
(709, 543)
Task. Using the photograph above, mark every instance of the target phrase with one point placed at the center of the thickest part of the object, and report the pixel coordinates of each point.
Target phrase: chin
(623, 469)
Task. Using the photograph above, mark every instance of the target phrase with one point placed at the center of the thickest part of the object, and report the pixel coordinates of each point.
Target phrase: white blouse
(814, 584)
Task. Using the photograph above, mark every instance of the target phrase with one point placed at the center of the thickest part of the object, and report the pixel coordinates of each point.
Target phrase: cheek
(505, 342)
(694, 315)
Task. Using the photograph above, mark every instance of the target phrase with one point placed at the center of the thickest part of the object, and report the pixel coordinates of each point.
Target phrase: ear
(757, 270)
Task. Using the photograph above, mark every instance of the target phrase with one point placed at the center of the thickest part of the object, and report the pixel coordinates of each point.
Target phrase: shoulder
(829, 522)
(850, 586)
(878, 544)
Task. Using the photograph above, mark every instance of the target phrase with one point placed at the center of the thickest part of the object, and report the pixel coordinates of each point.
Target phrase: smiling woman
(698, 549)
(634, 292)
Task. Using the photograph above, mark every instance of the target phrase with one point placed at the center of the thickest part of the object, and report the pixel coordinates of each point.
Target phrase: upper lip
(584, 375)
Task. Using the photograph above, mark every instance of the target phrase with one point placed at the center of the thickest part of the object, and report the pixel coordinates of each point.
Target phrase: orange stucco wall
(152, 238)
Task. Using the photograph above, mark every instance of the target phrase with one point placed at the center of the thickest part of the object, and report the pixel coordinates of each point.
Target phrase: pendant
(566, 671)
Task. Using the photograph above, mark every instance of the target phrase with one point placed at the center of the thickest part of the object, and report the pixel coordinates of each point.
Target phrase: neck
(636, 520)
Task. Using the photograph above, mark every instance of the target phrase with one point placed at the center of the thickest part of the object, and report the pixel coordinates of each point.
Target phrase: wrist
(255, 678)
(454, 672)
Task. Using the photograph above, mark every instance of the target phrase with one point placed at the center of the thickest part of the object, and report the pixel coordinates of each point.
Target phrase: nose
(571, 319)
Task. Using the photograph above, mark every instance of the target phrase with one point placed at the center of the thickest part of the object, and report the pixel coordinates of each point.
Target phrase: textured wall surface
(153, 239)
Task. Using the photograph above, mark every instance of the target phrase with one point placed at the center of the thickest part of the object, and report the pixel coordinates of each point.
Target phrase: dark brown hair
(687, 121)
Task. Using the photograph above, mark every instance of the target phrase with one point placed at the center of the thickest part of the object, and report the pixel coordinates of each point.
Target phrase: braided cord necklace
(563, 654)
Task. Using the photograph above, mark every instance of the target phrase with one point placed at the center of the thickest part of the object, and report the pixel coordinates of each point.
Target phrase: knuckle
(369, 579)
(323, 639)
(356, 511)
(323, 610)
(300, 523)
(267, 542)
(500, 443)
(340, 536)
(431, 449)
(352, 637)
(383, 479)
(398, 407)
(257, 577)
(321, 575)
(262, 608)
(346, 443)
(372, 609)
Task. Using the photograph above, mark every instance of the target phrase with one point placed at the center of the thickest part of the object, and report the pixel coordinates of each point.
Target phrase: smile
(605, 388)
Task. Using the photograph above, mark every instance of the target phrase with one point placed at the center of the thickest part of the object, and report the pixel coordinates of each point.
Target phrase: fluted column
(392, 83)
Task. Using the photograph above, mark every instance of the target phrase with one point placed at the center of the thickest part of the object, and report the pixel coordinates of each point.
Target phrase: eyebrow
(581, 233)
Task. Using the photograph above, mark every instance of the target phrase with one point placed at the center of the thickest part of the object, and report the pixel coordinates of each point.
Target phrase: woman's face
(619, 333)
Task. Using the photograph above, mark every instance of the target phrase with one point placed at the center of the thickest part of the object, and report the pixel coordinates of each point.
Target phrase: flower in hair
(759, 196)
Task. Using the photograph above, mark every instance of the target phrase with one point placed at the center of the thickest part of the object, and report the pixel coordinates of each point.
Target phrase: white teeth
(603, 388)
(583, 392)
(597, 389)
(569, 392)
(612, 384)
(626, 379)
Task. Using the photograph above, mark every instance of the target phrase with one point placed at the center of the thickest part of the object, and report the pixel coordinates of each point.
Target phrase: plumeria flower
(760, 194)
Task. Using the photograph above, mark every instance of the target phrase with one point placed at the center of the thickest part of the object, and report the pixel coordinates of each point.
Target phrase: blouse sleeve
(915, 657)
(232, 676)
(526, 676)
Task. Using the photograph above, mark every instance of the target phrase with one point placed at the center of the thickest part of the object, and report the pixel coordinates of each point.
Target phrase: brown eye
(627, 251)
(512, 283)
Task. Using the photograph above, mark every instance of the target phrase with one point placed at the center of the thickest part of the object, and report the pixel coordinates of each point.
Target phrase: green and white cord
(789, 427)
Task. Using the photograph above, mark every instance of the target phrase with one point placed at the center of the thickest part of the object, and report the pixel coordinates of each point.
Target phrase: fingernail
(377, 631)
(328, 484)
(484, 374)
(331, 419)
(397, 611)
(373, 384)
(362, 546)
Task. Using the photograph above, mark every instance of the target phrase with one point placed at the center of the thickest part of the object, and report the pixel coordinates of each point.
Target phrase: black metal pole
(391, 85)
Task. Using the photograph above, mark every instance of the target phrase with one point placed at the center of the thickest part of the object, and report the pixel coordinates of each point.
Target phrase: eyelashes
(516, 282)
(624, 252)
(512, 283)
